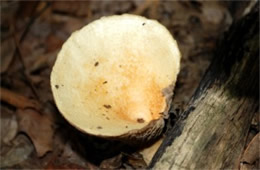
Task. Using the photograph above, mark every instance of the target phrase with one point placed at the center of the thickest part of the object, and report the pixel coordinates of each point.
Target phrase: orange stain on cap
(138, 97)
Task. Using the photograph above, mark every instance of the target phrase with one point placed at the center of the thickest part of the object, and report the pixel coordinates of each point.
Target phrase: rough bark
(211, 133)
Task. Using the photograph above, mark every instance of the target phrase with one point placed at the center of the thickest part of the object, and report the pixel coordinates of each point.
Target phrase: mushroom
(114, 78)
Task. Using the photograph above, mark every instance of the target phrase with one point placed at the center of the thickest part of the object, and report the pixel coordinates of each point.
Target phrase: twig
(27, 28)
(140, 9)
(153, 5)
(32, 20)
(27, 78)
(19, 51)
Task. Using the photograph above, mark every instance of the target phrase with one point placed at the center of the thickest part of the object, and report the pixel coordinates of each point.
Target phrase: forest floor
(33, 133)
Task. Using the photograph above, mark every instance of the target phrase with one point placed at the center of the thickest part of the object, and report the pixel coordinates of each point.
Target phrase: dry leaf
(38, 127)
(17, 100)
(195, 28)
(252, 152)
(78, 8)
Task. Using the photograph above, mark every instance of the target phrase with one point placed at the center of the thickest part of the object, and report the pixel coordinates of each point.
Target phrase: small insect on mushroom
(120, 81)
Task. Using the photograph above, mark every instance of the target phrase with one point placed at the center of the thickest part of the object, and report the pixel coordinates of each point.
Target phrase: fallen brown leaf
(252, 152)
(38, 127)
(78, 8)
(195, 28)
(17, 100)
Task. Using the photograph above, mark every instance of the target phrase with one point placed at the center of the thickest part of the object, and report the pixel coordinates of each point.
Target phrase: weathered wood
(211, 133)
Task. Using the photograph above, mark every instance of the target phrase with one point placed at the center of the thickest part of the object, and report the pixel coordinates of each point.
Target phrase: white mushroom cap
(115, 76)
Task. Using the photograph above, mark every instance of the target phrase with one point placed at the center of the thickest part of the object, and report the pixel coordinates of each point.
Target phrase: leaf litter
(34, 134)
